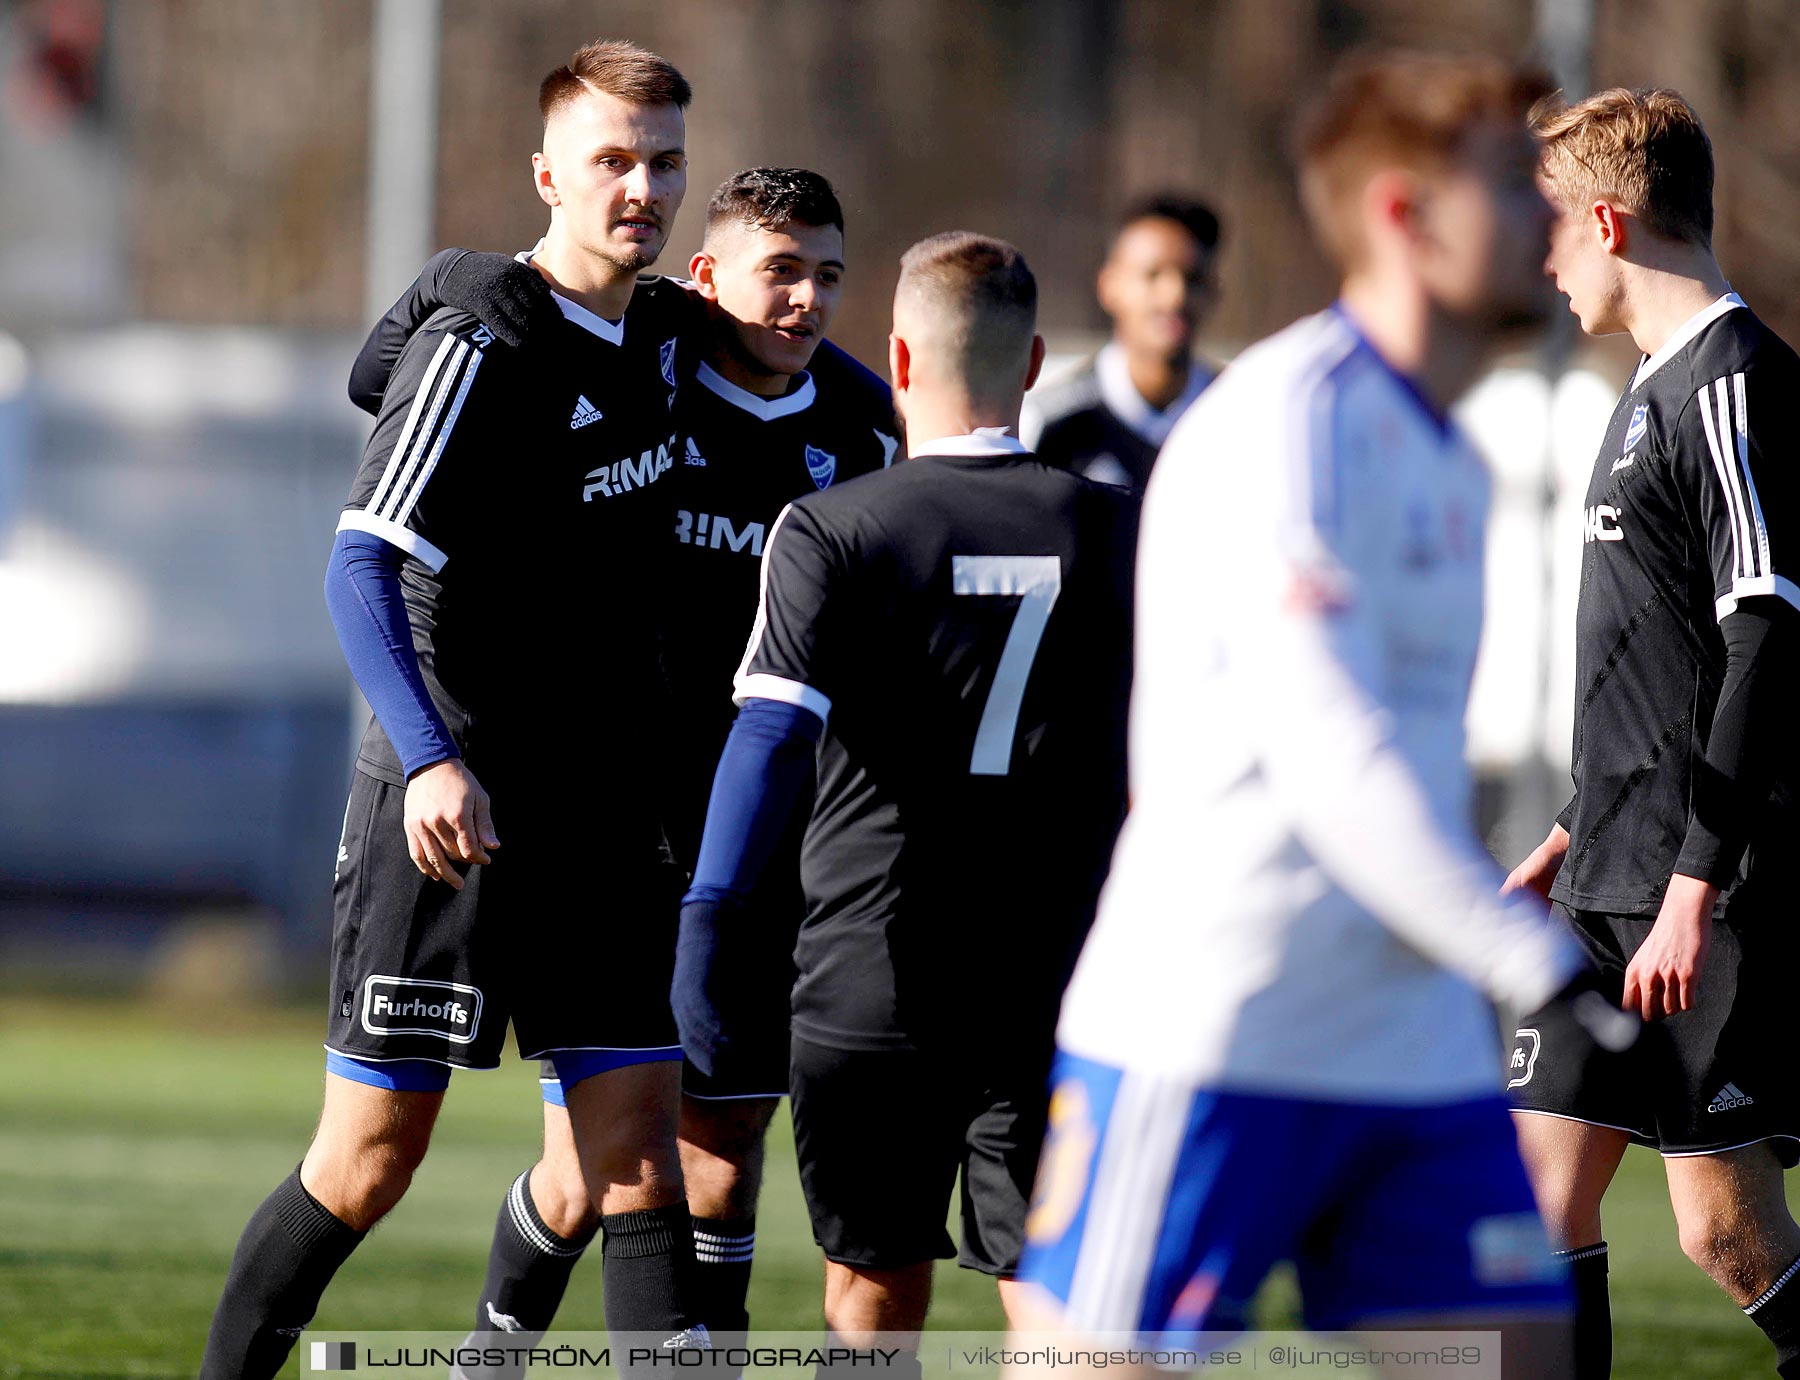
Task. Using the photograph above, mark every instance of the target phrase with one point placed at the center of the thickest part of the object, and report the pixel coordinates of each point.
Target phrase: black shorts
(569, 934)
(880, 1136)
(1716, 1077)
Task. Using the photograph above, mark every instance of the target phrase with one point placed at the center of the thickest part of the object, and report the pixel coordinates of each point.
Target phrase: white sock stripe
(1581, 1253)
(706, 1238)
(1773, 1289)
(724, 1257)
(522, 1215)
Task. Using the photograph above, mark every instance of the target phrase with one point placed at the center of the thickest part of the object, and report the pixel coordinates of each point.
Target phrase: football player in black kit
(958, 630)
(764, 415)
(1675, 861)
(497, 495)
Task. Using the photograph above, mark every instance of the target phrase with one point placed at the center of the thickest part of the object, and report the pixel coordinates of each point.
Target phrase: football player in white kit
(1279, 1042)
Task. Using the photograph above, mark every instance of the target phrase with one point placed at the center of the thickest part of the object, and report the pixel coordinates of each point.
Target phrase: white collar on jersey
(1119, 393)
(984, 440)
(763, 409)
(612, 332)
(1685, 332)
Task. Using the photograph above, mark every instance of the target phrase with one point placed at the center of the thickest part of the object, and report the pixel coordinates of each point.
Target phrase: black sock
(290, 1249)
(646, 1272)
(1777, 1312)
(722, 1256)
(1593, 1311)
(528, 1269)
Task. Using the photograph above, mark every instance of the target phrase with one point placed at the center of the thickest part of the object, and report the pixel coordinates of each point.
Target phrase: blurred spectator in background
(1109, 418)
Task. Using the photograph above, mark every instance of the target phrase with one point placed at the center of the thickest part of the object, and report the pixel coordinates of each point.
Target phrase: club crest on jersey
(821, 466)
(1640, 423)
(668, 361)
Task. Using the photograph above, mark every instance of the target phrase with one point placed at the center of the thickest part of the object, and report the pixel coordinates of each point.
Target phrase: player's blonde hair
(978, 298)
(615, 67)
(1646, 150)
(1396, 109)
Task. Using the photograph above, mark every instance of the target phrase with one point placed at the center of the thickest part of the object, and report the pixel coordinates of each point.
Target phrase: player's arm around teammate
(417, 941)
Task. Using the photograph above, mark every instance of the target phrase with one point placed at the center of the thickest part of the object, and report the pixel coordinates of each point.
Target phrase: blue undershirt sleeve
(362, 591)
(764, 769)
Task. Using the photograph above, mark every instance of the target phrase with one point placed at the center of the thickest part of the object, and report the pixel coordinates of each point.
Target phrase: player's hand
(1660, 979)
(510, 298)
(448, 821)
(1538, 871)
(701, 989)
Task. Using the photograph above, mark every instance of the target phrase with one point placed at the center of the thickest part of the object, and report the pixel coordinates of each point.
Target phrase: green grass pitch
(133, 1145)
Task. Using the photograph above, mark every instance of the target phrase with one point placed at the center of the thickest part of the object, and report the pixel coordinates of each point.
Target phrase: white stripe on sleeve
(1713, 428)
(399, 510)
(1755, 513)
(421, 397)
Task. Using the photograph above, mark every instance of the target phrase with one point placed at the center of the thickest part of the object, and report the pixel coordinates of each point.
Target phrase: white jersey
(1298, 905)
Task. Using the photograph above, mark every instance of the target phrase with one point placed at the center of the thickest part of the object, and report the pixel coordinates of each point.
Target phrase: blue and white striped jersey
(1298, 905)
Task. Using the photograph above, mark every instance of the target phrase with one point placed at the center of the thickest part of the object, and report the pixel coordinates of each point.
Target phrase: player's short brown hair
(1396, 109)
(1644, 149)
(980, 298)
(614, 67)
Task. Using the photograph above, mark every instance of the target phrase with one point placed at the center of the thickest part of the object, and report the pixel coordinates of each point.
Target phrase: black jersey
(743, 458)
(1095, 422)
(1694, 505)
(963, 623)
(523, 486)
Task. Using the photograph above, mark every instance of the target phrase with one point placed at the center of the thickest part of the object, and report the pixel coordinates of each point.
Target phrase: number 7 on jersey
(1036, 581)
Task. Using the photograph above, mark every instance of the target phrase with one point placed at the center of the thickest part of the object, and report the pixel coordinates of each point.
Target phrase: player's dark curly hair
(1195, 217)
(770, 198)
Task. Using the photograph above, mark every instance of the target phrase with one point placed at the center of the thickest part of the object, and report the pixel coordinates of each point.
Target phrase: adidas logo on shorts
(1728, 1097)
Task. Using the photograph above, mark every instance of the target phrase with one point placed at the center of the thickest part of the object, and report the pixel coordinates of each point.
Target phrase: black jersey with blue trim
(743, 458)
(962, 621)
(525, 487)
(1692, 508)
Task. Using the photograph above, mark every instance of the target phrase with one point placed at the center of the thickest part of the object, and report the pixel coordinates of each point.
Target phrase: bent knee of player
(561, 1196)
(1722, 1240)
(359, 1182)
(369, 1144)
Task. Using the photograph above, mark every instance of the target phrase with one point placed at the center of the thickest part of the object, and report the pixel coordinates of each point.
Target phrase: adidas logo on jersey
(622, 476)
(1728, 1097)
(694, 457)
(585, 414)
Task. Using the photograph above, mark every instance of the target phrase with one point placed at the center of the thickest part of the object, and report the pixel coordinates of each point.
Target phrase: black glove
(1610, 1029)
(700, 993)
(508, 297)
(1587, 1030)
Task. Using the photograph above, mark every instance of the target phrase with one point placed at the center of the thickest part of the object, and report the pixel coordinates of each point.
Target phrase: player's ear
(544, 180)
(1103, 288)
(1609, 227)
(899, 363)
(1036, 366)
(700, 269)
(1391, 203)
